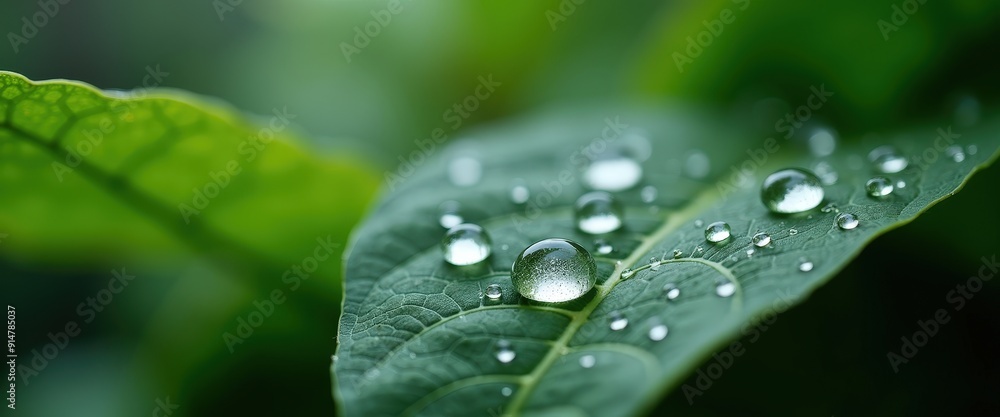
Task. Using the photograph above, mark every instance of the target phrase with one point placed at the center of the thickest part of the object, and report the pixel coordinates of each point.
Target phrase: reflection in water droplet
(554, 270)
(697, 165)
(955, 153)
(791, 190)
(519, 193)
(598, 212)
(671, 291)
(846, 221)
(449, 214)
(612, 172)
(717, 232)
(879, 187)
(504, 352)
(822, 142)
(493, 292)
(588, 361)
(658, 332)
(761, 239)
(465, 244)
(725, 288)
(887, 160)
(805, 265)
(465, 171)
(617, 321)
(648, 194)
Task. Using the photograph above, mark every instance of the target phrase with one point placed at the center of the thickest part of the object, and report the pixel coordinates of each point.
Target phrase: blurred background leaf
(262, 55)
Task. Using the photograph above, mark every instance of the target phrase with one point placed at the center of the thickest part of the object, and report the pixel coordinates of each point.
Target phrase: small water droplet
(671, 291)
(493, 292)
(971, 149)
(879, 187)
(449, 214)
(553, 271)
(793, 232)
(717, 232)
(654, 265)
(617, 321)
(822, 142)
(648, 194)
(791, 190)
(846, 221)
(465, 244)
(603, 247)
(465, 171)
(725, 288)
(761, 239)
(831, 207)
(955, 152)
(612, 171)
(519, 193)
(827, 175)
(750, 252)
(698, 249)
(697, 165)
(627, 273)
(588, 361)
(598, 212)
(504, 246)
(698, 223)
(805, 265)
(887, 160)
(504, 352)
(900, 184)
(658, 332)
(677, 253)
(506, 391)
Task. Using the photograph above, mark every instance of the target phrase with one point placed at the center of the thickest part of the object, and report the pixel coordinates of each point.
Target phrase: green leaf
(96, 180)
(417, 337)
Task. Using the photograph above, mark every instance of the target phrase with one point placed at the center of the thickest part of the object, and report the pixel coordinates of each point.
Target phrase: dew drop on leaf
(887, 160)
(617, 321)
(847, 221)
(717, 232)
(465, 171)
(598, 212)
(725, 288)
(955, 153)
(805, 265)
(493, 292)
(761, 239)
(879, 187)
(466, 244)
(504, 352)
(519, 192)
(658, 332)
(791, 190)
(588, 361)
(612, 171)
(449, 214)
(671, 291)
(554, 270)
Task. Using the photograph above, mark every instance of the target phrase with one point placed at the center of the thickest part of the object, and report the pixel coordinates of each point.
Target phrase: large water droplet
(671, 291)
(879, 187)
(588, 361)
(805, 265)
(465, 171)
(761, 239)
(612, 172)
(791, 190)
(617, 321)
(725, 288)
(847, 221)
(494, 292)
(658, 332)
(697, 165)
(504, 352)
(449, 214)
(598, 212)
(717, 232)
(519, 192)
(822, 142)
(887, 160)
(554, 270)
(466, 244)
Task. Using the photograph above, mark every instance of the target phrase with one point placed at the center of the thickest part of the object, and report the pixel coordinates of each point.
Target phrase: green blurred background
(826, 357)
